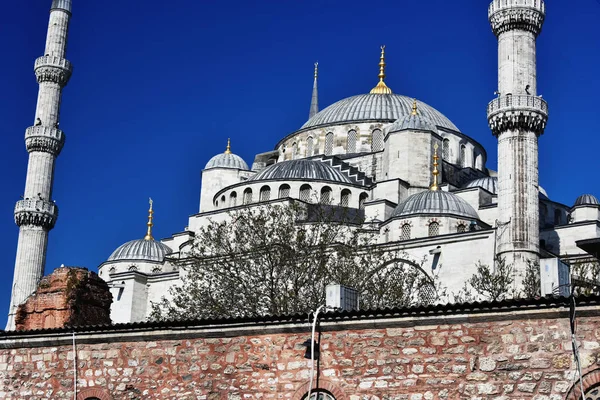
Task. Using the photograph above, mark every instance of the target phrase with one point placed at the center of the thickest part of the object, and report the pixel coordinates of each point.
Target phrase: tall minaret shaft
(36, 214)
(517, 118)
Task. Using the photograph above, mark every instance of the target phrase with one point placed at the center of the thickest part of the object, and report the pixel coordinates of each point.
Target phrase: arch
(309, 146)
(346, 198)
(265, 193)
(463, 156)
(434, 229)
(233, 199)
(461, 228)
(446, 149)
(284, 191)
(319, 394)
(294, 150)
(248, 196)
(324, 385)
(557, 217)
(156, 270)
(405, 231)
(93, 394)
(376, 140)
(132, 268)
(222, 201)
(351, 142)
(112, 270)
(362, 200)
(304, 194)
(326, 193)
(329, 144)
(479, 161)
(591, 385)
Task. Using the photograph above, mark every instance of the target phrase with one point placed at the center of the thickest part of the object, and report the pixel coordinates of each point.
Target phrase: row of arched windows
(433, 230)
(351, 144)
(463, 161)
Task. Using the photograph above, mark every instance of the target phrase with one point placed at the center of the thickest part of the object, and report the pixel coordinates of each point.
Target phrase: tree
(492, 285)
(532, 281)
(278, 258)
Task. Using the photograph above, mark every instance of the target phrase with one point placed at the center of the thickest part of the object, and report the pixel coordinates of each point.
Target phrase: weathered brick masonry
(503, 351)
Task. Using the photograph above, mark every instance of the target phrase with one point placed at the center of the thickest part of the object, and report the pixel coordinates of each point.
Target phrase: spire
(314, 103)
(150, 224)
(228, 149)
(436, 172)
(381, 87)
(414, 108)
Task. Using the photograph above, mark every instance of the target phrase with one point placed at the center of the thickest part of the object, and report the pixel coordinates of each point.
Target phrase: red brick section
(68, 296)
(515, 356)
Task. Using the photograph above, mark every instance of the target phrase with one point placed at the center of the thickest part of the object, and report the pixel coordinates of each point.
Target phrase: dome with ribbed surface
(490, 183)
(141, 249)
(412, 122)
(227, 160)
(435, 202)
(586, 200)
(375, 107)
(302, 169)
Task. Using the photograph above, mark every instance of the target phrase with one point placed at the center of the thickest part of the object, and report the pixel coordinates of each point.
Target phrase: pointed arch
(329, 144)
(351, 142)
(376, 140)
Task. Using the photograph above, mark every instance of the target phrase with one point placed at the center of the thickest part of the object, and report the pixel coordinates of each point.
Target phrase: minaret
(314, 103)
(36, 214)
(517, 118)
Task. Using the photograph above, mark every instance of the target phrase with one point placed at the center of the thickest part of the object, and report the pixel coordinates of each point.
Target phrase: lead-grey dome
(375, 107)
(490, 183)
(412, 122)
(227, 160)
(141, 250)
(586, 200)
(435, 202)
(301, 169)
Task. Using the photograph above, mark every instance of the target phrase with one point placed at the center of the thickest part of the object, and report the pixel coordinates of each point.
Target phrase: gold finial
(381, 87)
(414, 109)
(228, 149)
(436, 172)
(316, 70)
(150, 224)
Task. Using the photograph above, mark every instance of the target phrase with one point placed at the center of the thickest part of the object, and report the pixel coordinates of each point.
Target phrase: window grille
(326, 195)
(351, 144)
(461, 228)
(361, 200)
(345, 200)
(284, 191)
(309, 146)
(405, 233)
(434, 229)
(319, 396)
(377, 140)
(446, 149)
(265, 193)
(247, 196)
(305, 193)
(233, 199)
(329, 144)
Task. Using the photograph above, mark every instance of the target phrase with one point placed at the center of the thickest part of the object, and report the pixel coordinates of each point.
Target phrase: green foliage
(492, 285)
(585, 277)
(531, 280)
(277, 259)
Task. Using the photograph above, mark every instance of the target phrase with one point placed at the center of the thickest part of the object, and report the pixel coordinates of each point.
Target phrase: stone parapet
(506, 15)
(517, 112)
(53, 69)
(44, 139)
(36, 212)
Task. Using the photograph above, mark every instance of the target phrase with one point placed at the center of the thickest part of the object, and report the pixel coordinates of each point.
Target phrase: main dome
(435, 202)
(141, 250)
(375, 107)
(301, 169)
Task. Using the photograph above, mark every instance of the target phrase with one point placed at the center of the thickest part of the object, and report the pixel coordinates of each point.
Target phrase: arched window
(222, 201)
(284, 191)
(463, 156)
(543, 214)
(434, 229)
(132, 268)
(557, 217)
(294, 150)
(305, 193)
(248, 196)
(326, 195)
(446, 149)
(361, 200)
(346, 197)
(351, 144)
(479, 161)
(156, 270)
(405, 232)
(112, 270)
(377, 140)
(309, 146)
(265, 193)
(461, 228)
(319, 395)
(233, 199)
(329, 144)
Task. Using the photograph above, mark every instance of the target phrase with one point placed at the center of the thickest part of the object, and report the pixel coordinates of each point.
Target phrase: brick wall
(517, 355)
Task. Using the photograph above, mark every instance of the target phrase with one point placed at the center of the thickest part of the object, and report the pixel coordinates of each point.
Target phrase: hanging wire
(573, 325)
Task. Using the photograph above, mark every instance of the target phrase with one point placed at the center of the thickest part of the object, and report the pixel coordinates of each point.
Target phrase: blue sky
(159, 86)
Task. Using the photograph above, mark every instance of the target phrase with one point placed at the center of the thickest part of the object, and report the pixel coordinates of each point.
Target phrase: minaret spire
(435, 172)
(381, 87)
(314, 103)
(150, 224)
(228, 149)
(36, 214)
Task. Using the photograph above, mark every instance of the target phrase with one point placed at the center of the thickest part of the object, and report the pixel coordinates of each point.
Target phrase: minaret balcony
(44, 139)
(53, 69)
(36, 212)
(507, 15)
(517, 112)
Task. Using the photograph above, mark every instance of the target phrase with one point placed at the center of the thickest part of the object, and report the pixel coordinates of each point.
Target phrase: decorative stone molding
(92, 393)
(53, 69)
(590, 380)
(514, 112)
(324, 384)
(33, 212)
(44, 139)
(507, 15)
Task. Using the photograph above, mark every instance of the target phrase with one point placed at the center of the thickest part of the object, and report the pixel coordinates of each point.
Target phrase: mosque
(402, 164)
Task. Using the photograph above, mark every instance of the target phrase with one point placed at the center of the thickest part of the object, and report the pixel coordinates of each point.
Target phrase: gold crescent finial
(150, 224)
(316, 69)
(414, 109)
(228, 149)
(436, 172)
(381, 87)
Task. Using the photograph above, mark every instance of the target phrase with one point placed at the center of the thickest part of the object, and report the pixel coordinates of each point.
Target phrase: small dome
(435, 202)
(303, 170)
(141, 249)
(227, 160)
(586, 200)
(412, 122)
(490, 183)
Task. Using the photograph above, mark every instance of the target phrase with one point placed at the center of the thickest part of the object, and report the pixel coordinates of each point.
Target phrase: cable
(74, 368)
(312, 351)
(573, 325)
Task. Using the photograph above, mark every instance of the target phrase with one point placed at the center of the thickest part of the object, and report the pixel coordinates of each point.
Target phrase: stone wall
(505, 354)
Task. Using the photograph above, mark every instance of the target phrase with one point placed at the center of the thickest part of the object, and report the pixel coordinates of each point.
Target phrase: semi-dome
(141, 249)
(414, 121)
(301, 169)
(375, 107)
(490, 183)
(435, 202)
(227, 160)
(586, 200)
